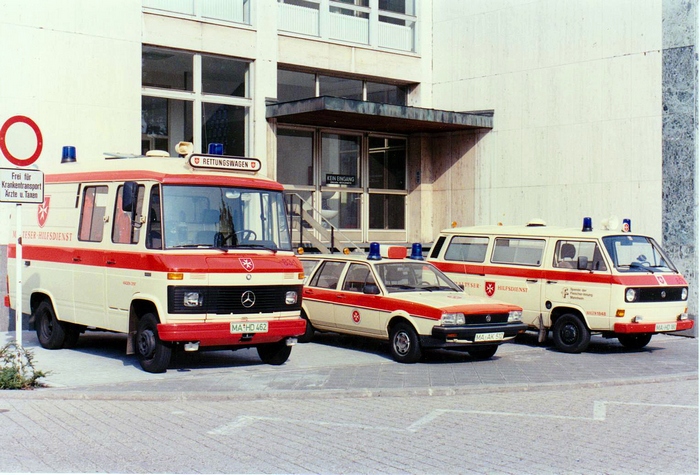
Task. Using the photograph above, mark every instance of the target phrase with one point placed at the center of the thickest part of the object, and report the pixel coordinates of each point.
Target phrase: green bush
(17, 368)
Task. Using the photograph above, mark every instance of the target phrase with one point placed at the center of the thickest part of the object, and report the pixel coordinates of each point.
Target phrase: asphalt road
(341, 405)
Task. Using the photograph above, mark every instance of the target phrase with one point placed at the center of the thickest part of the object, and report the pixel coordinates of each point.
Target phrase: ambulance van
(180, 253)
(572, 282)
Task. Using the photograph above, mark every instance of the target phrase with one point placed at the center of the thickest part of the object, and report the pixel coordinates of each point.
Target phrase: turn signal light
(176, 276)
(620, 312)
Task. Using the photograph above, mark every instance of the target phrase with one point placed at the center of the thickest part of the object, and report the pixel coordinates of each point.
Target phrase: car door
(321, 294)
(356, 312)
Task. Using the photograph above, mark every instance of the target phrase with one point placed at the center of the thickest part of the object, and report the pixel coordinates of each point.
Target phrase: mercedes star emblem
(248, 299)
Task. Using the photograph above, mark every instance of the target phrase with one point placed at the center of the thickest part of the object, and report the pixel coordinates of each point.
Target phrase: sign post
(19, 186)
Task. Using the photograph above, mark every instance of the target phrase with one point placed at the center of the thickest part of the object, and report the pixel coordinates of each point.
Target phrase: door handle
(531, 281)
(552, 281)
(340, 296)
(77, 259)
(111, 262)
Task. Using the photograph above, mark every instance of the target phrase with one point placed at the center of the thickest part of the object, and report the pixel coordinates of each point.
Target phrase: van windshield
(630, 253)
(224, 217)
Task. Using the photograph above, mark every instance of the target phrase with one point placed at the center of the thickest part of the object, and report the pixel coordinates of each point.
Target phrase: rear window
(525, 252)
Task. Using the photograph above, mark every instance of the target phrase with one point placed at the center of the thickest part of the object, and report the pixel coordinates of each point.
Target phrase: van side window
(122, 231)
(527, 252)
(567, 253)
(467, 249)
(328, 275)
(92, 214)
(154, 231)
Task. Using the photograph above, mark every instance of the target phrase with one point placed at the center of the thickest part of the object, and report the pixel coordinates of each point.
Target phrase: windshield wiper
(254, 246)
(639, 265)
(431, 288)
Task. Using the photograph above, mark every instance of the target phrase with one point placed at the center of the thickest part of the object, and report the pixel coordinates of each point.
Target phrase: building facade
(386, 120)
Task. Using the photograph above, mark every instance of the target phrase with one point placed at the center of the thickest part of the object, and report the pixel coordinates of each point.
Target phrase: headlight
(630, 295)
(515, 316)
(452, 319)
(684, 293)
(290, 298)
(192, 299)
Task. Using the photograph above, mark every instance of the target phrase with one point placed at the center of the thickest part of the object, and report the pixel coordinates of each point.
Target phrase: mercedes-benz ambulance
(180, 253)
(574, 282)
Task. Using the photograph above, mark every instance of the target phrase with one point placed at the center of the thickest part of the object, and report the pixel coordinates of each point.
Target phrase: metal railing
(310, 229)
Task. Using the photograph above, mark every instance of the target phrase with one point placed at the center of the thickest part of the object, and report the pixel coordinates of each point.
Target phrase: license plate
(665, 327)
(488, 336)
(249, 327)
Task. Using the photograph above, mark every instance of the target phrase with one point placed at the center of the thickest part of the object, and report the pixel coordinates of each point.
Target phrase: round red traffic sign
(20, 162)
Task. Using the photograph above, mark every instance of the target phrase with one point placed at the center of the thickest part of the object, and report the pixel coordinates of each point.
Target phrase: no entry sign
(18, 161)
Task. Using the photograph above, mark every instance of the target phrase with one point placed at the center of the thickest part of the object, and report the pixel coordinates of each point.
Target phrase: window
(467, 249)
(328, 276)
(154, 236)
(357, 277)
(518, 251)
(176, 106)
(221, 10)
(123, 231)
(567, 255)
(92, 213)
(295, 157)
(296, 85)
(387, 183)
(340, 167)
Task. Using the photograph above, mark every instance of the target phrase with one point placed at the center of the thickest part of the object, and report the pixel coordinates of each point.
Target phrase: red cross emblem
(247, 264)
(43, 211)
(490, 288)
(356, 316)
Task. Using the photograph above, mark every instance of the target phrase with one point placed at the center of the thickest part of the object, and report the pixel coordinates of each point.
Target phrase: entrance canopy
(349, 114)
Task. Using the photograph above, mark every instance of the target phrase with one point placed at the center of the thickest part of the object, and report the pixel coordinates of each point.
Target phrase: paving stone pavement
(341, 405)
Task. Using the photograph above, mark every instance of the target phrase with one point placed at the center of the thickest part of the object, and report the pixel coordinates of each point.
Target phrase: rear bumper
(461, 336)
(219, 334)
(651, 327)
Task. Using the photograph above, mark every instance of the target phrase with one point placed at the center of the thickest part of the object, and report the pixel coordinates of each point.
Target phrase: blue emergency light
(374, 254)
(416, 251)
(68, 155)
(587, 224)
(216, 148)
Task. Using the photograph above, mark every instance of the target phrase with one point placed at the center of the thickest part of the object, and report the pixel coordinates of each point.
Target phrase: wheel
(570, 334)
(309, 332)
(49, 331)
(153, 354)
(405, 346)
(274, 353)
(73, 332)
(635, 341)
(483, 352)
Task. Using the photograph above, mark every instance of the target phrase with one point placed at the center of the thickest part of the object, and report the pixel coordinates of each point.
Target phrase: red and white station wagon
(406, 301)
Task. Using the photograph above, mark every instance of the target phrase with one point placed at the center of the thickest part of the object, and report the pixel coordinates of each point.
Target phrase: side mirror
(582, 263)
(129, 196)
(371, 289)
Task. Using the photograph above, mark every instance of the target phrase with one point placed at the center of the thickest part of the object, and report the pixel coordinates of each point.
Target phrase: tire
(483, 352)
(635, 341)
(153, 354)
(73, 332)
(274, 353)
(570, 334)
(404, 342)
(309, 332)
(49, 331)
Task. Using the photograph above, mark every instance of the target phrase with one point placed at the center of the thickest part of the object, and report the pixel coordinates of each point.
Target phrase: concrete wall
(576, 89)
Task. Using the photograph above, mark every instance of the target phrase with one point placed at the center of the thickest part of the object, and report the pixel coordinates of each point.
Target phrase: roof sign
(222, 162)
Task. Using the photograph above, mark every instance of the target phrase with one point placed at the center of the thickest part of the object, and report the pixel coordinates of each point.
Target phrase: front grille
(483, 318)
(660, 294)
(224, 300)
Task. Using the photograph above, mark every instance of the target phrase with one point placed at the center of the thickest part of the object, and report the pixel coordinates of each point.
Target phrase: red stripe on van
(159, 261)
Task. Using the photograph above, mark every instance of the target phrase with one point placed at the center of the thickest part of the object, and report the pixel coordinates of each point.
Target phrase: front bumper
(219, 334)
(465, 335)
(652, 327)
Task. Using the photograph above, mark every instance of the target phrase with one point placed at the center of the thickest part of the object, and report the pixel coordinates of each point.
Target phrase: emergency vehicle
(574, 282)
(408, 302)
(180, 253)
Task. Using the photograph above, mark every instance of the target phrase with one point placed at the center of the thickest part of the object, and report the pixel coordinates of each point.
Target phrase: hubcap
(402, 343)
(147, 343)
(569, 334)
